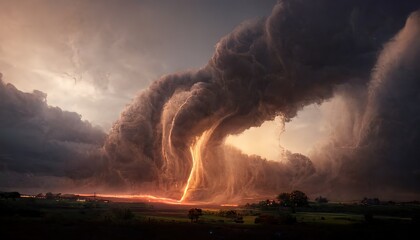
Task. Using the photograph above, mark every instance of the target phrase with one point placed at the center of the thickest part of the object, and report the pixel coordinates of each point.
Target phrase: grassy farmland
(67, 219)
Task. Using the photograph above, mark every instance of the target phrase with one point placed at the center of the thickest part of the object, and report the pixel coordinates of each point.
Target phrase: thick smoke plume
(171, 137)
(170, 141)
(376, 150)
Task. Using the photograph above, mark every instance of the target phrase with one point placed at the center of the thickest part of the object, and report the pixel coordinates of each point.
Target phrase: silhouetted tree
(40, 195)
(284, 199)
(298, 199)
(49, 195)
(194, 214)
(293, 199)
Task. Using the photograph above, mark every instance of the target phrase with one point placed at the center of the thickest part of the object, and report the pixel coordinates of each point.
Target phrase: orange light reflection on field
(151, 198)
(144, 197)
(229, 205)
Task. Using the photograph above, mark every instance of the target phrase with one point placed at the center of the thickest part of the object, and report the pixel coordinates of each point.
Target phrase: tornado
(169, 140)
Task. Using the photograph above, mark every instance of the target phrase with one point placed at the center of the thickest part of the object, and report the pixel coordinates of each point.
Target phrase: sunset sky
(210, 99)
(93, 57)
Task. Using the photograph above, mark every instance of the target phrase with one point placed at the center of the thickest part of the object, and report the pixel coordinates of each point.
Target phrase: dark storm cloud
(37, 140)
(275, 66)
(377, 150)
(305, 52)
(100, 53)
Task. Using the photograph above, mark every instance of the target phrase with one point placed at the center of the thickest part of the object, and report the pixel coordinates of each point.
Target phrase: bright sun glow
(299, 135)
(263, 141)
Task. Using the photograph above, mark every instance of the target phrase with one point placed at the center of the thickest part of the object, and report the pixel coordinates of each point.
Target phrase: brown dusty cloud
(299, 55)
(305, 52)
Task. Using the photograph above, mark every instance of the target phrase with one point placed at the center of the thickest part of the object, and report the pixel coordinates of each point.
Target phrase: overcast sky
(93, 57)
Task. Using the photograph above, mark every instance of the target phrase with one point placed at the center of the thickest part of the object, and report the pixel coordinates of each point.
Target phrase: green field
(67, 219)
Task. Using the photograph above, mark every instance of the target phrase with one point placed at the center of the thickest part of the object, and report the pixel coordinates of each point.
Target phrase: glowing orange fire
(145, 197)
(197, 174)
(229, 205)
(142, 197)
(197, 171)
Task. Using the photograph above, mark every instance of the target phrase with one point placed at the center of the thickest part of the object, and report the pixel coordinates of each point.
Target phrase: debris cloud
(172, 135)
